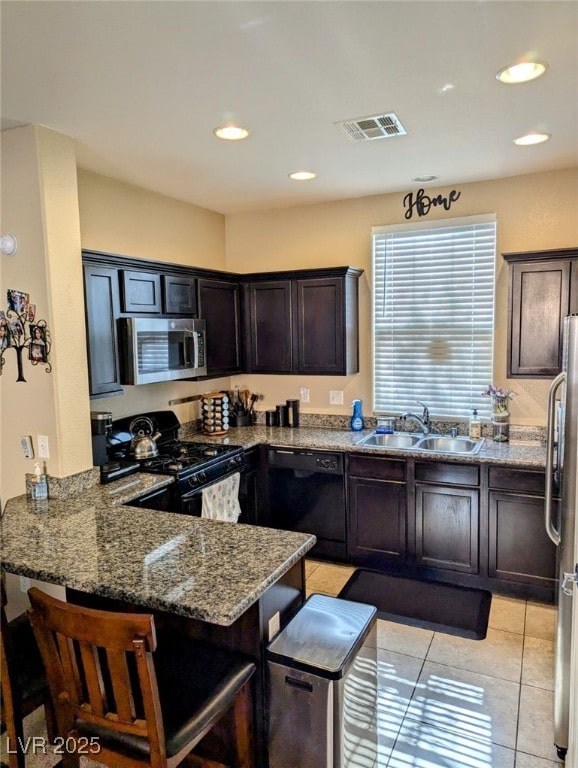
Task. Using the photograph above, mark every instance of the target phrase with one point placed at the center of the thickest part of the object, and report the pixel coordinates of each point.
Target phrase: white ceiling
(141, 85)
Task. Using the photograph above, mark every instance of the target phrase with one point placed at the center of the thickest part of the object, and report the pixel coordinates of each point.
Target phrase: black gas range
(194, 465)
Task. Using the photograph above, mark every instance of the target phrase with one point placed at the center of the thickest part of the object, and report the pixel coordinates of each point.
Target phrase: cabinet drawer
(377, 468)
(451, 474)
(517, 480)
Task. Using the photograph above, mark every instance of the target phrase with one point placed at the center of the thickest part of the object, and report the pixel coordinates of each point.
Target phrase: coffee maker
(100, 426)
(110, 468)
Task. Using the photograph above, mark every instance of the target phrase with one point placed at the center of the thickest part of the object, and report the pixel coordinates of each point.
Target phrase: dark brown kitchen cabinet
(101, 290)
(220, 307)
(303, 322)
(321, 326)
(179, 295)
(447, 516)
(446, 528)
(543, 290)
(520, 550)
(269, 326)
(292, 322)
(574, 287)
(376, 511)
(140, 292)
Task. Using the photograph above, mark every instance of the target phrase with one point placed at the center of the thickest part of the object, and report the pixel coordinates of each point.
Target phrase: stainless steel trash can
(323, 687)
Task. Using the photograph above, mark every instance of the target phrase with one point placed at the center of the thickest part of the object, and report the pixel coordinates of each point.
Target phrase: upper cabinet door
(102, 308)
(220, 308)
(320, 326)
(539, 301)
(574, 287)
(179, 295)
(269, 329)
(303, 322)
(141, 292)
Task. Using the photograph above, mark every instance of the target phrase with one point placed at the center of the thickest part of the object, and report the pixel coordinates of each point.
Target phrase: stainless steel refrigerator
(561, 471)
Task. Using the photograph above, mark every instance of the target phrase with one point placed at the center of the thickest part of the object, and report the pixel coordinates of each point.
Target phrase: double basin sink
(426, 443)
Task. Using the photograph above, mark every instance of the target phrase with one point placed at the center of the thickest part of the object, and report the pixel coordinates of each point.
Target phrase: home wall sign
(20, 330)
(421, 203)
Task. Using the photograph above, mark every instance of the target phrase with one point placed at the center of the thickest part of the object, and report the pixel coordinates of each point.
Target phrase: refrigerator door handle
(551, 530)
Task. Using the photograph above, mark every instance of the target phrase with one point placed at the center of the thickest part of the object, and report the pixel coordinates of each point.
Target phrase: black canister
(293, 412)
(271, 419)
(100, 427)
(283, 415)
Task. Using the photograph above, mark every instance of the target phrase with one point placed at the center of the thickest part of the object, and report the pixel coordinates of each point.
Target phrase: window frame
(379, 233)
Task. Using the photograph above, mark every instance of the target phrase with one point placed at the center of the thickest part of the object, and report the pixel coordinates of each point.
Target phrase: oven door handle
(200, 488)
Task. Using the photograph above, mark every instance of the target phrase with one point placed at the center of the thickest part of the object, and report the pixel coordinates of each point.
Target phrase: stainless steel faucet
(424, 421)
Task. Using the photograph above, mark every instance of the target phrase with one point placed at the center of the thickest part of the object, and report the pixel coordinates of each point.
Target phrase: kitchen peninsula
(213, 581)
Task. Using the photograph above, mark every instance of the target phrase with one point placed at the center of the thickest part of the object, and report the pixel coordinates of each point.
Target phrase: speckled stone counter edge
(529, 454)
(229, 567)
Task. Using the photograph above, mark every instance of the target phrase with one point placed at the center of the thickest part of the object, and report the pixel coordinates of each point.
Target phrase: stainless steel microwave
(158, 349)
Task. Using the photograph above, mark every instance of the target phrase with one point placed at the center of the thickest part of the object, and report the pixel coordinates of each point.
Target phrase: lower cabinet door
(519, 547)
(376, 521)
(446, 528)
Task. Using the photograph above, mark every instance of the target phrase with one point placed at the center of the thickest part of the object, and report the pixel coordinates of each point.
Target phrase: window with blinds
(433, 316)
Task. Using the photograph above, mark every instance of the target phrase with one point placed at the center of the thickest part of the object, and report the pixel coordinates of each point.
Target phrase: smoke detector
(372, 127)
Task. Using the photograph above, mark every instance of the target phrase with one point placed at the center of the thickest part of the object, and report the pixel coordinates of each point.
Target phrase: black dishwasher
(306, 491)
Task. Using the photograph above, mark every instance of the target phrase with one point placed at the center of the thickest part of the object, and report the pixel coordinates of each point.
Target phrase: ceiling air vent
(374, 127)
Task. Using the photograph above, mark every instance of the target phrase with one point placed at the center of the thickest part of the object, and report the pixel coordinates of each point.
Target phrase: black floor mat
(462, 611)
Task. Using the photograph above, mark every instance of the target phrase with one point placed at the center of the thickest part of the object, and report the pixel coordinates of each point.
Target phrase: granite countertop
(529, 454)
(83, 538)
(202, 569)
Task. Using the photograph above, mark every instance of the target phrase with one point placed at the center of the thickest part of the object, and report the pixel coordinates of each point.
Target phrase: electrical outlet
(42, 443)
(335, 397)
(27, 447)
(304, 394)
(24, 583)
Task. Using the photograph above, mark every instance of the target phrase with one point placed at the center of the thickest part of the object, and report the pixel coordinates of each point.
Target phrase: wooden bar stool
(137, 710)
(22, 680)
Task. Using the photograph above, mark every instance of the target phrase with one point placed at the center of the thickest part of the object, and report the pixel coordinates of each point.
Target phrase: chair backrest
(99, 667)
(8, 704)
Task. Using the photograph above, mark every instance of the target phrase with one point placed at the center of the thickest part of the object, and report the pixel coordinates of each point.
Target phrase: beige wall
(39, 205)
(534, 212)
(120, 218)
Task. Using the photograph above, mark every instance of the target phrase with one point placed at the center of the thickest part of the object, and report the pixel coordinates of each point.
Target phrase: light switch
(335, 397)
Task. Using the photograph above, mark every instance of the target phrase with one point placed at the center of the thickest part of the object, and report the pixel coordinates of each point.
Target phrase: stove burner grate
(182, 458)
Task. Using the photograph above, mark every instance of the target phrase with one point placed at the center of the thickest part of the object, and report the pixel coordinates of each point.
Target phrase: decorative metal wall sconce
(20, 330)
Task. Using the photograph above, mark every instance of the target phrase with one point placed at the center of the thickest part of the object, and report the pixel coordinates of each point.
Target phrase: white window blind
(433, 316)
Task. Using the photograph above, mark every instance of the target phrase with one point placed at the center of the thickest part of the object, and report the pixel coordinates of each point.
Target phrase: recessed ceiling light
(231, 132)
(532, 138)
(521, 73)
(302, 175)
(424, 179)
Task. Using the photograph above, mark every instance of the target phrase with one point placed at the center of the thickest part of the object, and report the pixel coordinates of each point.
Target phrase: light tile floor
(447, 702)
